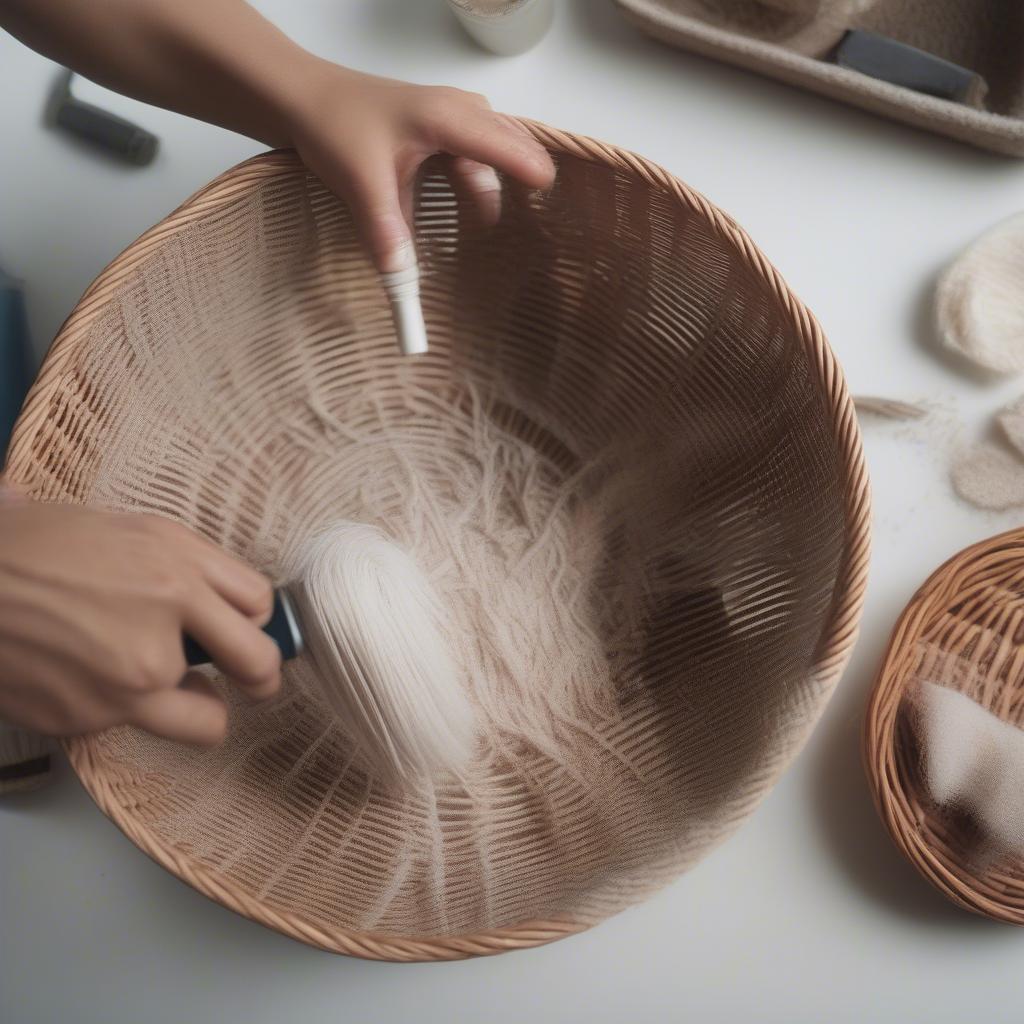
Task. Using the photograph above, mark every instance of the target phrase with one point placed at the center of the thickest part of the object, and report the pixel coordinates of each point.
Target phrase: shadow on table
(49, 798)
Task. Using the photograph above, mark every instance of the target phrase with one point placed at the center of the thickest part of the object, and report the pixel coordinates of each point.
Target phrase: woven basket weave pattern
(962, 630)
(619, 317)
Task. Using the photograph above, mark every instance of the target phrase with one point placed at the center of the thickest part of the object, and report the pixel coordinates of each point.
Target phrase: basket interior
(682, 470)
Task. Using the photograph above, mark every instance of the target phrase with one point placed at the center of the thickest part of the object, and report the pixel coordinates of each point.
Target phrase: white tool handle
(403, 289)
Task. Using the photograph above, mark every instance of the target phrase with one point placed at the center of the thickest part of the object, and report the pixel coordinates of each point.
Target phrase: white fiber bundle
(373, 624)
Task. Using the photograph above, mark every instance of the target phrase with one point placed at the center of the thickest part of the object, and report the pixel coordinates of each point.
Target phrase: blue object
(16, 359)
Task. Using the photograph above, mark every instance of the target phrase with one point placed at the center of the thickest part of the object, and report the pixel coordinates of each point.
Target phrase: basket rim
(832, 653)
(880, 747)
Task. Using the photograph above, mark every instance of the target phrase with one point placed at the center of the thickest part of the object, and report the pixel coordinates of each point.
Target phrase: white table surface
(808, 913)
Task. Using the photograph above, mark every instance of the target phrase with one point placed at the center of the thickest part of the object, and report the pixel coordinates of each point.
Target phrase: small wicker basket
(963, 628)
(217, 371)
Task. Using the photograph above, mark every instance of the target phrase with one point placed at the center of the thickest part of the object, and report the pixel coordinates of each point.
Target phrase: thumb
(375, 199)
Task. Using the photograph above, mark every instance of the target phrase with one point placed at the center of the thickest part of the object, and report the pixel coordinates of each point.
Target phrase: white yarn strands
(373, 625)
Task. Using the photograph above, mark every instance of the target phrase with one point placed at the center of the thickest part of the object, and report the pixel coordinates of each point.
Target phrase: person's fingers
(235, 644)
(482, 184)
(239, 584)
(191, 713)
(245, 589)
(376, 201)
(406, 178)
(499, 142)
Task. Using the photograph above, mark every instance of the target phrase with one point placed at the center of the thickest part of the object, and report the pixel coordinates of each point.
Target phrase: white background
(809, 913)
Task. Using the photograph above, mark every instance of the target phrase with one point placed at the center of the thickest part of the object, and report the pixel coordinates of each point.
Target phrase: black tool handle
(892, 61)
(283, 629)
(114, 134)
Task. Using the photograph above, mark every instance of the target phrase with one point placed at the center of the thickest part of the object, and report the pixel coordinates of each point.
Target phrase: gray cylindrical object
(505, 27)
(99, 127)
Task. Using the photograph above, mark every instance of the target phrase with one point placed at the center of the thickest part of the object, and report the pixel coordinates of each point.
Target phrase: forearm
(220, 61)
(217, 60)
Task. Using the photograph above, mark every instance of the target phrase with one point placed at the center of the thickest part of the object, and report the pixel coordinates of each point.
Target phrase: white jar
(505, 27)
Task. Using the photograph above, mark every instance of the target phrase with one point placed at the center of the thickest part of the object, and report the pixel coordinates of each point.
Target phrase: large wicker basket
(220, 367)
(962, 629)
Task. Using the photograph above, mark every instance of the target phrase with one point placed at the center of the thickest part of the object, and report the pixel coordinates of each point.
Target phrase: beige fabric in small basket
(621, 343)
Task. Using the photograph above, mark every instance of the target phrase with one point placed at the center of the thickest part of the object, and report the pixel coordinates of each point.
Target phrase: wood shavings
(888, 408)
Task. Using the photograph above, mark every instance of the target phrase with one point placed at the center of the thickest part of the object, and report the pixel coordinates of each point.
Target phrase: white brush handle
(403, 289)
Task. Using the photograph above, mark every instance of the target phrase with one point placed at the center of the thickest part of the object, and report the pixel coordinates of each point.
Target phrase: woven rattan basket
(963, 627)
(218, 371)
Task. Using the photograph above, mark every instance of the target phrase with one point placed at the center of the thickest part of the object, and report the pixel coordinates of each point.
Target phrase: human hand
(223, 62)
(366, 138)
(93, 606)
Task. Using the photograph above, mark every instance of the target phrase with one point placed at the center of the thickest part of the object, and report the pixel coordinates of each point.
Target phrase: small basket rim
(832, 652)
(881, 748)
